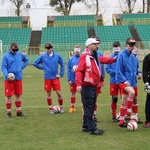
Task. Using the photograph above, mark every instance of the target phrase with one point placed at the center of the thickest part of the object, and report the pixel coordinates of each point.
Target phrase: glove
(147, 88)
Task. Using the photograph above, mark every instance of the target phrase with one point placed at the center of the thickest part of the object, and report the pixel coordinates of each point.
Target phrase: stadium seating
(136, 18)
(143, 31)
(109, 34)
(13, 22)
(18, 35)
(83, 20)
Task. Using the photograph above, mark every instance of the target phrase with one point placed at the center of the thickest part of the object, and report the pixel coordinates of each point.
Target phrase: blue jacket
(50, 65)
(102, 65)
(14, 63)
(125, 67)
(136, 71)
(111, 70)
(71, 62)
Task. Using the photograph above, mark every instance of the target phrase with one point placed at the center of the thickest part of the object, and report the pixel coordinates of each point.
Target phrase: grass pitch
(41, 131)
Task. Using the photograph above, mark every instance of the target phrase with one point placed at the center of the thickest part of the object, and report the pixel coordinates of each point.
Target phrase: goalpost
(1, 55)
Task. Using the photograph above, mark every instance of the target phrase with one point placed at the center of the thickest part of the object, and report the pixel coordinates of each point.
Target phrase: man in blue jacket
(125, 80)
(49, 63)
(72, 67)
(114, 88)
(13, 62)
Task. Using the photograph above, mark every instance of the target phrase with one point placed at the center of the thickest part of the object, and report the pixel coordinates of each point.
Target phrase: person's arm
(62, 66)
(110, 70)
(69, 70)
(25, 61)
(4, 66)
(106, 60)
(38, 63)
(79, 74)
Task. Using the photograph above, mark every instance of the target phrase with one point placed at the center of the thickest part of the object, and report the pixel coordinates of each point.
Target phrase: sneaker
(97, 132)
(85, 130)
(124, 125)
(127, 118)
(95, 119)
(62, 111)
(20, 114)
(51, 112)
(146, 125)
(114, 119)
(72, 110)
(8, 115)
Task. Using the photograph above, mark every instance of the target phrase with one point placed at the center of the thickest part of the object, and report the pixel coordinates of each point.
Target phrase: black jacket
(146, 69)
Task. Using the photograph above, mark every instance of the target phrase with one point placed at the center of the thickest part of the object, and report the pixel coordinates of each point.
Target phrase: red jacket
(94, 74)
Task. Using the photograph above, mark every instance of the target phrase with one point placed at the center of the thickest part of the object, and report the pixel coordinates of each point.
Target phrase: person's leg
(18, 101)
(9, 92)
(72, 98)
(88, 100)
(131, 92)
(114, 107)
(147, 111)
(47, 88)
(114, 93)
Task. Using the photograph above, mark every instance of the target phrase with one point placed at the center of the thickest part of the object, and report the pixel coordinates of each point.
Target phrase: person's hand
(139, 76)
(74, 68)
(70, 83)
(127, 83)
(9, 78)
(79, 88)
(58, 76)
(146, 85)
(147, 88)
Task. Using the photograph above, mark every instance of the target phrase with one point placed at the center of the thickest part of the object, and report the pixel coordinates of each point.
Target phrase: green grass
(41, 131)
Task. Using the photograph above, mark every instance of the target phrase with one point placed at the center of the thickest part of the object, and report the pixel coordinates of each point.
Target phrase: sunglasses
(48, 47)
(131, 44)
(15, 50)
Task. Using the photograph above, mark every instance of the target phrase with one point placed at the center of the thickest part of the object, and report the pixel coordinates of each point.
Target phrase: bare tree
(63, 6)
(17, 4)
(148, 6)
(127, 6)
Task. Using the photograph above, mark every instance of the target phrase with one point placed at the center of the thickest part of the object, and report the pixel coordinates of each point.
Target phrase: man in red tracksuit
(88, 76)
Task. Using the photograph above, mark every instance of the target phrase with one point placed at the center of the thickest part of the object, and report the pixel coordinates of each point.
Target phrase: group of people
(85, 75)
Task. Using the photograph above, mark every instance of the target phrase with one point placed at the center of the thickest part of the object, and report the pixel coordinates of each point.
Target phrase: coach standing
(87, 79)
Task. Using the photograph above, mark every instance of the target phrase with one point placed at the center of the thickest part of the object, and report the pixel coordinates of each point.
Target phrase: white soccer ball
(12, 76)
(132, 125)
(74, 68)
(56, 109)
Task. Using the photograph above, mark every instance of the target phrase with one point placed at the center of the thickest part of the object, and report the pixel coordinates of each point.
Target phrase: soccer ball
(12, 76)
(132, 125)
(56, 109)
(74, 68)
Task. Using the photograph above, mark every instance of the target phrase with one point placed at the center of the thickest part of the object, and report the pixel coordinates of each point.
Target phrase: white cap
(77, 49)
(91, 41)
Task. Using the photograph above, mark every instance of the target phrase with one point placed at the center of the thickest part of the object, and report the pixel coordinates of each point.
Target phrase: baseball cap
(91, 41)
